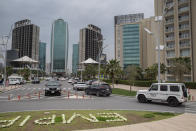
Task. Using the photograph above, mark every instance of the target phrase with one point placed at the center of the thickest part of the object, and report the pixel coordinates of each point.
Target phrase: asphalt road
(114, 102)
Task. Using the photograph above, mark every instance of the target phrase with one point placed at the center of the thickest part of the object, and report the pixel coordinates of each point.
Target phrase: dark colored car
(53, 88)
(35, 80)
(99, 90)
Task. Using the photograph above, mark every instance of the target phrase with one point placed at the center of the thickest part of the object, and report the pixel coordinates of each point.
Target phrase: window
(174, 88)
(154, 88)
(163, 88)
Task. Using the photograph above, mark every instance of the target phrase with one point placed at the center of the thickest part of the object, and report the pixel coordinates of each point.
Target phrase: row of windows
(165, 88)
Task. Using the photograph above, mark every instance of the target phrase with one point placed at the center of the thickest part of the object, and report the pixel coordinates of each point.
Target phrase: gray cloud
(78, 14)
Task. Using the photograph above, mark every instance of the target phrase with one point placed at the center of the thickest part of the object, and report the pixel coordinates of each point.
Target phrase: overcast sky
(78, 14)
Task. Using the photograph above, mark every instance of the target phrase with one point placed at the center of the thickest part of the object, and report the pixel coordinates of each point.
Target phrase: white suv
(172, 93)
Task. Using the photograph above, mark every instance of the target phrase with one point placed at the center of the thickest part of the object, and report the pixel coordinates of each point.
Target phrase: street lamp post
(159, 19)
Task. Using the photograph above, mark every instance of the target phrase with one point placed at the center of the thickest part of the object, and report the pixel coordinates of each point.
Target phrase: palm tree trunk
(113, 82)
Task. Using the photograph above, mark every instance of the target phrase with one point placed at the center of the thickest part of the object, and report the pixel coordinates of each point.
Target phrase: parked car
(48, 78)
(62, 79)
(70, 81)
(53, 88)
(80, 86)
(19, 78)
(35, 80)
(172, 93)
(102, 89)
(89, 82)
(13, 81)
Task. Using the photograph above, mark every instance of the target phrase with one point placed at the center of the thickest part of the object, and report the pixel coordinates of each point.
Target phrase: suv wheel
(173, 102)
(86, 92)
(142, 99)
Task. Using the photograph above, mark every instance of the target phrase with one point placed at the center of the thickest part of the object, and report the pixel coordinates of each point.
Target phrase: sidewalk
(184, 122)
(134, 88)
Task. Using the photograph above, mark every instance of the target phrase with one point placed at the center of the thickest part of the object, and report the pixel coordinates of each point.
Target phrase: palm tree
(113, 69)
(152, 71)
(181, 66)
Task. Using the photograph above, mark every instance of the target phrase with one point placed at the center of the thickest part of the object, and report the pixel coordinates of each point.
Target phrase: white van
(13, 81)
(18, 78)
(172, 93)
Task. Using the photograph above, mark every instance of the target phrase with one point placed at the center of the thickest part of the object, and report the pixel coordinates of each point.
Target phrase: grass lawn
(123, 92)
(78, 123)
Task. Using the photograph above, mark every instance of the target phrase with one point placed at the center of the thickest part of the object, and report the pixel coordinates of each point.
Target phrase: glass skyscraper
(59, 46)
(42, 56)
(75, 58)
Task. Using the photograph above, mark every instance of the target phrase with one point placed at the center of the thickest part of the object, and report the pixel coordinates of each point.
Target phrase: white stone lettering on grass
(43, 121)
(25, 120)
(111, 117)
(63, 118)
(9, 122)
(91, 119)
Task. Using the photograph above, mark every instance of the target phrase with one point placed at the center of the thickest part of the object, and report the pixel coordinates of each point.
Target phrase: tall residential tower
(25, 39)
(179, 31)
(91, 41)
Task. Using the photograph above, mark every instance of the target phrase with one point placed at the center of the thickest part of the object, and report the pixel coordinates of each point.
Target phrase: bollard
(8, 97)
(29, 96)
(68, 94)
(19, 97)
(83, 96)
(39, 95)
(90, 97)
(77, 95)
(193, 98)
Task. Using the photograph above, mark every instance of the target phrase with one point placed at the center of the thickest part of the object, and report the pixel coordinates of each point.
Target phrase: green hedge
(190, 85)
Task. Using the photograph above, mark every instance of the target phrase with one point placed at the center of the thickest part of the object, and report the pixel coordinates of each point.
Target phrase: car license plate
(107, 89)
(52, 91)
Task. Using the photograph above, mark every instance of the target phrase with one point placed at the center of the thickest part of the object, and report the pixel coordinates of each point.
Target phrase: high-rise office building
(42, 56)
(75, 58)
(59, 46)
(179, 29)
(127, 39)
(25, 38)
(91, 41)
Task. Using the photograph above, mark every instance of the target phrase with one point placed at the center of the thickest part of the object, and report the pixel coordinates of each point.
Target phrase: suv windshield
(53, 83)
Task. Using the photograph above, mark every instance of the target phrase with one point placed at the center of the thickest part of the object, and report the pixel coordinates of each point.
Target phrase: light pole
(159, 19)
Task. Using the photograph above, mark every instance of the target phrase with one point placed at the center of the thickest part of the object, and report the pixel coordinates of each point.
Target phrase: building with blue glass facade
(75, 58)
(42, 56)
(131, 44)
(127, 39)
(59, 46)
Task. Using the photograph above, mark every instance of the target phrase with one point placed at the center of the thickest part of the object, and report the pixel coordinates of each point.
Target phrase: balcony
(184, 36)
(169, 38)
(170, 21)
(184, 27)
(183, 10)
(184, 18)
(185, 45)
(182, 2)
(169, 30)
(169, 13)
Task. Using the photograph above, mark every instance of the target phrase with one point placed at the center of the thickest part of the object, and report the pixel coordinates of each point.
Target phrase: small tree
(25, 73)
(113, 69)
(9, 71)
(152, 71)
(180, 67)
(90, 71)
